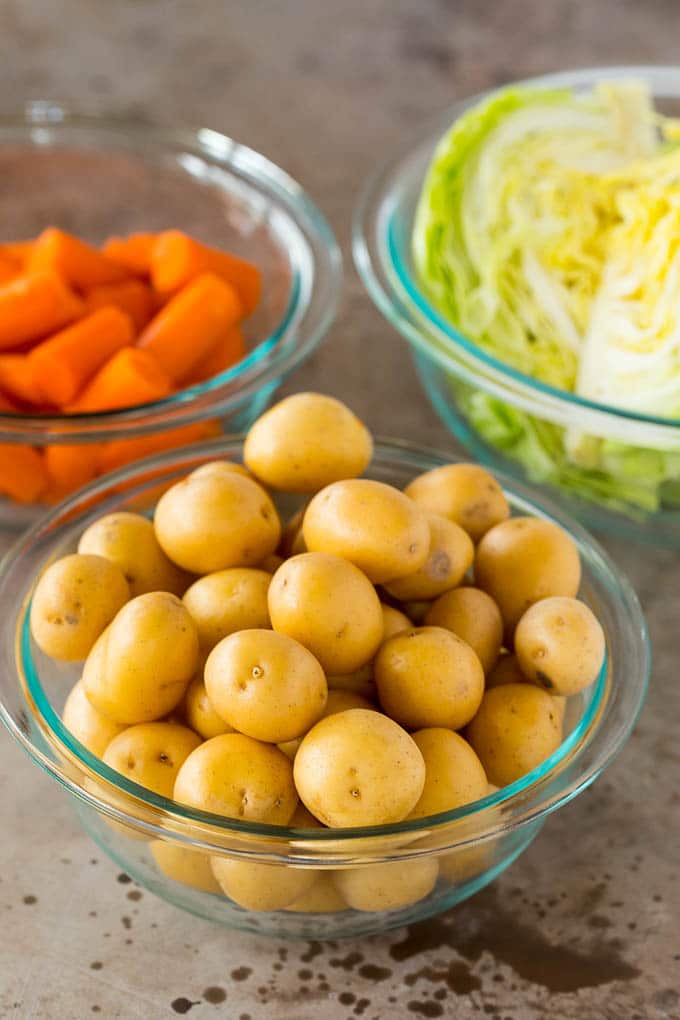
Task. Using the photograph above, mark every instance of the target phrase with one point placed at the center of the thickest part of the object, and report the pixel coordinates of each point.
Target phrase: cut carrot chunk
(191, 325)
(63, 364)
(130, 377)
(133, 252)
(17, 251)
(119, 452)
(81, 265)
(7, 405)
(132, 297)
(16, 379)
(34, 306)
(23, 475)
(9, 269)
(177, 259)
(227, 352)
(71, 465)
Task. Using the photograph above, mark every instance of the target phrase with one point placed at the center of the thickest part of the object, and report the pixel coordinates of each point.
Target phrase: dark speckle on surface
(183, 1005)
(347, 962)
(126, 922)
(134, 895)
(426, 1008)
(30, 900)
(96, 965)
(313, 950)
(372, 972)
(214, 994)
(123, 878)
(241, 973)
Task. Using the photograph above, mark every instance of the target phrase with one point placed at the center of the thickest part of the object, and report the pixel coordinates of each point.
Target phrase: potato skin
(454, 775)
(185, 865)
(346, 765)
(450, 555)
(322, 898)
(393, 621)
(465, 493)
(329, 606)
(216, 520)
(262, 887)
(389, 886)
(129, 675)
(227, 601)
(307, 441)
(151, 754)
(560, 645)
(129, 541)
(200, 713)
(74, 600)
(474, 617)
(220, 468)
(371, 524)
(338, 701)
(89, 726)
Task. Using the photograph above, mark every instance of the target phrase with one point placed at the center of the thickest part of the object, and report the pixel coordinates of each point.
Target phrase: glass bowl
(508, 420)
(423, 866)
(98, 176)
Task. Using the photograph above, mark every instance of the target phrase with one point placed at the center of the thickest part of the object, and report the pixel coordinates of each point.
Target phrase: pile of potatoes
(381, 656)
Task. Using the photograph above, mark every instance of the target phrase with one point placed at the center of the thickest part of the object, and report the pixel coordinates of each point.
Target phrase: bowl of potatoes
(310, 684)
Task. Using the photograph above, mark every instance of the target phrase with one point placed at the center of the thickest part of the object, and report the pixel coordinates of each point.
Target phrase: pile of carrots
(84, 329)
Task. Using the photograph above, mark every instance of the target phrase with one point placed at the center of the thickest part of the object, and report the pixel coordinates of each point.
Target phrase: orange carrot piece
(81, 265)
(132, 297)
(228, 351)
(130, 377)
(191, 324)
(177, 259)
(23, 475)
(31, 307)
(17, 251)
(71, 465)
(63, 364)
(7, 405)
(9, 269)
(132, 252)
(16, 378)
(119, 452)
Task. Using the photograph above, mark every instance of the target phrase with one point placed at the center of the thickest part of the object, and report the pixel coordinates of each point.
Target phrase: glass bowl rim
(541, 788)
(403, 303)
(310, 309)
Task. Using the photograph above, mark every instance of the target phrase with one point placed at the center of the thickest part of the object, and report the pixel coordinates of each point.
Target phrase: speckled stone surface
(587, 923)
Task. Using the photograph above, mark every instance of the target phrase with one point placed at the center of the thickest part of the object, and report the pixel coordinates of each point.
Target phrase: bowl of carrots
(156, 286)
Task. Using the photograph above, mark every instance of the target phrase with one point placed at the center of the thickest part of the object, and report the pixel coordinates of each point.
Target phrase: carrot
(81, 265)
(17, 251)
(119, 452)
(191, 324)
(63, 364)
(34, 306)
(69, 466)
(229, 350)
(23, 475)
(16, 378)
(7, 405)
(177, 259)
(130, 377)
(132, 252)
(132, 296)
(8, 268)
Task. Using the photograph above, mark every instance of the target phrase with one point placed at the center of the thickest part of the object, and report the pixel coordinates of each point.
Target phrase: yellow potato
(151, 754)
(516, 728)
(89, 726)
(129, 541)
(215, 521)
(200, 712)
(185, 865)
(266, 685)
(393, 621)
(372, 525)
(227, 601)
(359, 768)
(307, 441)
(359, 682)
(238, 777)
(74, 601)
(524, 560)
(560, 645)
(141, 665)
(322, 898)
(304, 819)
(467, 862)
(465, 493)
(389, 886)
(330, 607)
(220, 468)
(427, 676)
(474, 617)
(416, 610)
(271, 563)
(507, 671)
(454, 775)
(338, 701)
(450, 555)
(292, 542)
(262, 887)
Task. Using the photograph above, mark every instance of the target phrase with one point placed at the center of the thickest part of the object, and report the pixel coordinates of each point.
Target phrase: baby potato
(516, 728)
(216, 520)
(74, 601)
(151, 754)
(393, 621)
(505, 671)
(454, 775)
(359, 768)
(390, 886)
(465, 493)
(467, 862)
(359, 682)
(450, 555)
(185, 865)
(140, 667)
(129, 541)
(372, 525)
(330, 607)
(292, 542)
(307, 441)
(238, 777)
(227, 601)
(89, 726)
(560, 645)
(220, 468)
(266, 685)
(271, 563)
(262, 887)
(426, 677)
(322, 898)
(338, 701)
(524, 560)
(200, 712)
(416, 610)
(474, 617)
